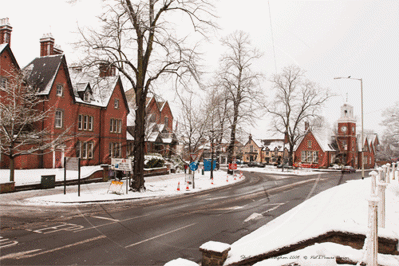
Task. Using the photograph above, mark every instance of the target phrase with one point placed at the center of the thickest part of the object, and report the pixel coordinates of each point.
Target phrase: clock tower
(346, 136)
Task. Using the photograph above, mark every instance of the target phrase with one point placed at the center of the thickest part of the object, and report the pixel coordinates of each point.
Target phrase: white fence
(380, 179)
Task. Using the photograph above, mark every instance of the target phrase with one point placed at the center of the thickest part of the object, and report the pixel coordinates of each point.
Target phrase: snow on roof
(2, 46)
(102, 87)
(41, 72)
(275, 144)
(153, 136)
(323, 138)
(129, 136)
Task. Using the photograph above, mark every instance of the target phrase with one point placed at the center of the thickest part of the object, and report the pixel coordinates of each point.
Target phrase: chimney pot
(5, 31)
(47, 45)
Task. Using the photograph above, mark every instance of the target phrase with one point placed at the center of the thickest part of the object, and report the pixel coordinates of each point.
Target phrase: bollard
(393, 171)
(381, 206)
(388, 175)
(384, 173)
(373, 175)
(372, 239)
(380, 173)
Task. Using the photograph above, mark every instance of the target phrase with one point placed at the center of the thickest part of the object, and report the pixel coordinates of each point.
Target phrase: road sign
(193, 166)
(115, 187)
(193, 156)
(207, 165)
(72, 163)
(121, 164)
(232, 166)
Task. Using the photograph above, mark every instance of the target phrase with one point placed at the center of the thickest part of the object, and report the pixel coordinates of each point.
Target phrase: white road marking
(149, 239)
(254, 216)
(18, 254)
(275, 207)
(24, 255)
(6, 242)
(57, 228)
(106, 218)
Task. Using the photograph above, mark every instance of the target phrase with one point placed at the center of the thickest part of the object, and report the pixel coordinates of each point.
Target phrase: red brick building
(320, 149)
(159, 136)
(91, 108)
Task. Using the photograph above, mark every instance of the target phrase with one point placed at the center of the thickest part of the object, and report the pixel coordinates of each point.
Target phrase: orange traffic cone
(235, 175)
(187, 187)
(178, 186)
(212, 181)
(227, 178)
(240, 174)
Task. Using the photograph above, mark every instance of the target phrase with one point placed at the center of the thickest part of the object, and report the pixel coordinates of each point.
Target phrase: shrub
(154, 163)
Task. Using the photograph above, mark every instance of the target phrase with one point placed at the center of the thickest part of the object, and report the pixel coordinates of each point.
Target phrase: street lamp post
(361, 91)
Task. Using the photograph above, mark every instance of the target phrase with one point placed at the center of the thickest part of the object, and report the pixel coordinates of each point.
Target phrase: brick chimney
(306, 126)
(5, 31)
(107, 70)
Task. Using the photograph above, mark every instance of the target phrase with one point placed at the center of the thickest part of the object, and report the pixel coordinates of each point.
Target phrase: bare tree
(240, 82)
(20, 115)
(297, 100)
(390, 138)
(192, 126)
(140, 40)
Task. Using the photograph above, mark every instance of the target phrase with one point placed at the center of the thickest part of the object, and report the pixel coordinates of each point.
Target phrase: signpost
(119, 164)
(72, 164)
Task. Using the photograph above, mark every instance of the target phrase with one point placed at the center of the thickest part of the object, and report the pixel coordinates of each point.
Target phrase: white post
(381, 206)
(393, 171)
(384, 172)
(388, 175)
(373, 175)
(372, 239)
(380, 173)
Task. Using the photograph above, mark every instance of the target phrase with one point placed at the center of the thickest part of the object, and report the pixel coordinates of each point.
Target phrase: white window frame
(120, 126)
(60, 90)
(59, 119)
(116, 103)
(90, 123)
(315, 156)
(111, 127)
(80, 122)
(90, 149)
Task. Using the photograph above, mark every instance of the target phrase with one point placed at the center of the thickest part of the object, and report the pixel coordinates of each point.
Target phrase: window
(80, 122)
(86, 96)
(84, 150)
(309, 144)
(166, 121)
(59, 118)
(303, 156)
(111, 127)
(60, 90)
(91, 122)
(116, 103)
(315, 156)
(115, 125)
(251, 148)
(3, 82)
(78, 149)
(309, 156)
(85, 121)
(120, 126)
(90, 147)
(115, 150)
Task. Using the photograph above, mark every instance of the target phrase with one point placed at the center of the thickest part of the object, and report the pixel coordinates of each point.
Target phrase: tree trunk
(12, 170)
(232, 140)
(139, 143)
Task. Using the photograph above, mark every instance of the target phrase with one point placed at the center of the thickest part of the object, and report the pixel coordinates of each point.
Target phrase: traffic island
(7, 187)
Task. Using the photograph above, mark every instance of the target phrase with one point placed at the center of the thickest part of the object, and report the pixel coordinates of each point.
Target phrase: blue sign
(193, 166)
(207, 165)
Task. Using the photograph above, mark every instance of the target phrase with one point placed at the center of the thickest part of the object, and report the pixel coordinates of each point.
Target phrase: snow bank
(343, 208)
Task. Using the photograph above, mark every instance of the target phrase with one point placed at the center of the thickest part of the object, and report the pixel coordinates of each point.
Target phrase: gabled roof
(6, 47)
(323, 138)
(42, 71)
(101, 87)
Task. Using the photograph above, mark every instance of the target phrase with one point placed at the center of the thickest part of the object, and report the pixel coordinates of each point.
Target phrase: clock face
(343, 129)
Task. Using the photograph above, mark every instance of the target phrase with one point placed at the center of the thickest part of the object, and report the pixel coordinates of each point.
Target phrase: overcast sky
(326, 38)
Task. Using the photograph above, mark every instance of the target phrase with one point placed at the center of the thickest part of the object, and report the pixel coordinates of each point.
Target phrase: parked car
(348, 169)
(336, 167)
(255, 164)
(286, 166)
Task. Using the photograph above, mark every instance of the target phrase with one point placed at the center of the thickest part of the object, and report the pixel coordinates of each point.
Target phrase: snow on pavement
(343, 208)
(156, 186)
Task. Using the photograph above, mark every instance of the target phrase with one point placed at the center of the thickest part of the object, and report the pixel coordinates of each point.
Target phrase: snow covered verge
(343, 208)
(157, 186)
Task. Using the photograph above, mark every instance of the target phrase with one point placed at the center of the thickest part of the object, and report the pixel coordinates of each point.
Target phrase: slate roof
(41, 72)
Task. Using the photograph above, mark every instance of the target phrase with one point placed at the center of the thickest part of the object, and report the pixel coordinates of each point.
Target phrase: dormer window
(86, 96)
(60, 90)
